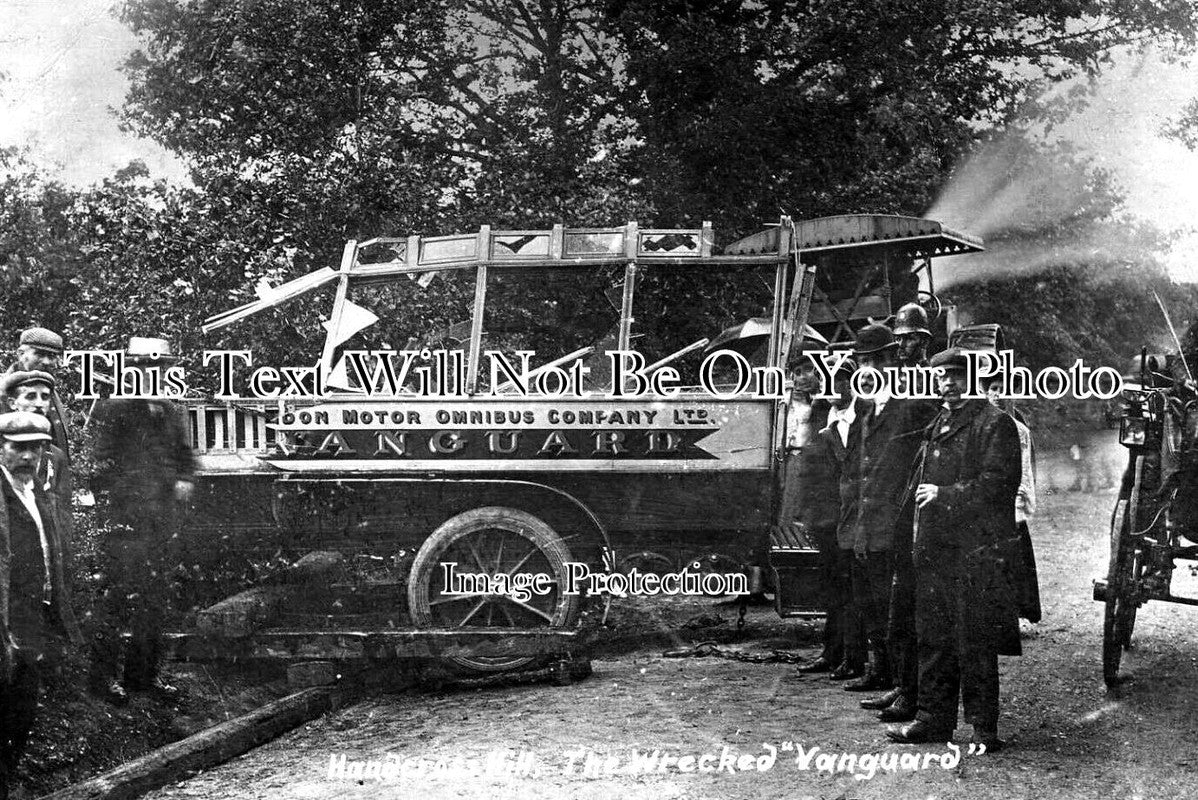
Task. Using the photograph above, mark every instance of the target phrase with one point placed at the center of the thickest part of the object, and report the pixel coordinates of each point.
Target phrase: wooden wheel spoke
(530, 608)
(499, 545)
(499, 553)
(473, 611)
(478, 561)
(523, 561)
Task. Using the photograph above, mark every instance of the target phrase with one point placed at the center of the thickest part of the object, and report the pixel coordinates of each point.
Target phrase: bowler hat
(873, 338)
(952, 358)
(149, 350)
(14, 380)
(42, 338)
(24, 426)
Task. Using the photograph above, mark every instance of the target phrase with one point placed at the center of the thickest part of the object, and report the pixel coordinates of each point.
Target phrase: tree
(343, 118)
(39, 258)
(833, 107)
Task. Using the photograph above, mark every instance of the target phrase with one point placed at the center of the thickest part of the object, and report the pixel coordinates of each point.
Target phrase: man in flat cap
(965, 607)
(33, 392)
(40, 350)
(885, 443)
(35, 606)
(143, 474)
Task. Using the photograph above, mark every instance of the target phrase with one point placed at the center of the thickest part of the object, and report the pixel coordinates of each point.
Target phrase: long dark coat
(886, 448)
(60, 600)
(819, 484)
(850, 482)
(142, 448)
(964, 540)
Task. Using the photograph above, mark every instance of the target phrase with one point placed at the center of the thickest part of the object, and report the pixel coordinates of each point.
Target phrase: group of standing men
(912, 504)
(143, 467)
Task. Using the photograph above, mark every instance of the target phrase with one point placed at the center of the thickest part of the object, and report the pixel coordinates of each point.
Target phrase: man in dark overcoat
(818, 513)
(143, 474)
(35, 605)
(888, 436)
(966, 610)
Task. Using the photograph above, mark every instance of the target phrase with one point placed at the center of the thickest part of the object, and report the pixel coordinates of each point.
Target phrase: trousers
(871, 597)
(901, 641)
(18, 711)
(837, 591)
(134, 599)
(953, 666)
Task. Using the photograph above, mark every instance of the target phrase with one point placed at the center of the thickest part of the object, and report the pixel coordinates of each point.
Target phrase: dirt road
(1068, 737)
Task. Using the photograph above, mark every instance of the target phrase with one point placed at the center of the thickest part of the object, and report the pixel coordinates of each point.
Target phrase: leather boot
(821, 664)
(876, 676)
(989, 738)
(902, 710)
(917, 732)
(844, 672)
(882, 701)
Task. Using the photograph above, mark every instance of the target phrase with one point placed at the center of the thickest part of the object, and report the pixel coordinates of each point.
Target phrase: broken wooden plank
(277, 295)
(205, 749)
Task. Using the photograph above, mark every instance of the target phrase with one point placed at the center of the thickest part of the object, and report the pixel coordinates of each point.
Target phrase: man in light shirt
(803, 418)
(33, 391)
(819, 513)
(34, 601)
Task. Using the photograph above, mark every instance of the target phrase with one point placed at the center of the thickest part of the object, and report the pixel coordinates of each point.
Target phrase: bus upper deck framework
(534, 484)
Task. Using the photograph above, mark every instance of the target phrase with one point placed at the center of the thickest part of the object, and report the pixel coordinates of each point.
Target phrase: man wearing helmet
(899, 705)
(911, 332)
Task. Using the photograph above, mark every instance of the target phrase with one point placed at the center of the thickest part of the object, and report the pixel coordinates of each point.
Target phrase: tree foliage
(39, 245)
(847, 106)
(304, 125)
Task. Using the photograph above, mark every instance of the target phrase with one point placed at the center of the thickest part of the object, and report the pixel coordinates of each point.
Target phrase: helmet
(911, 318)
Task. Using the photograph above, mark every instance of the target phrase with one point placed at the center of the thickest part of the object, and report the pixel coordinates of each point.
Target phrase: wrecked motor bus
(484, 461)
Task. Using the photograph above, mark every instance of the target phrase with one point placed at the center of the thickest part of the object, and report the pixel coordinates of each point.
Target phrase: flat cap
(24, 426)
(13, 380)
(952, 358)
(873, 338)
(43, 338)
